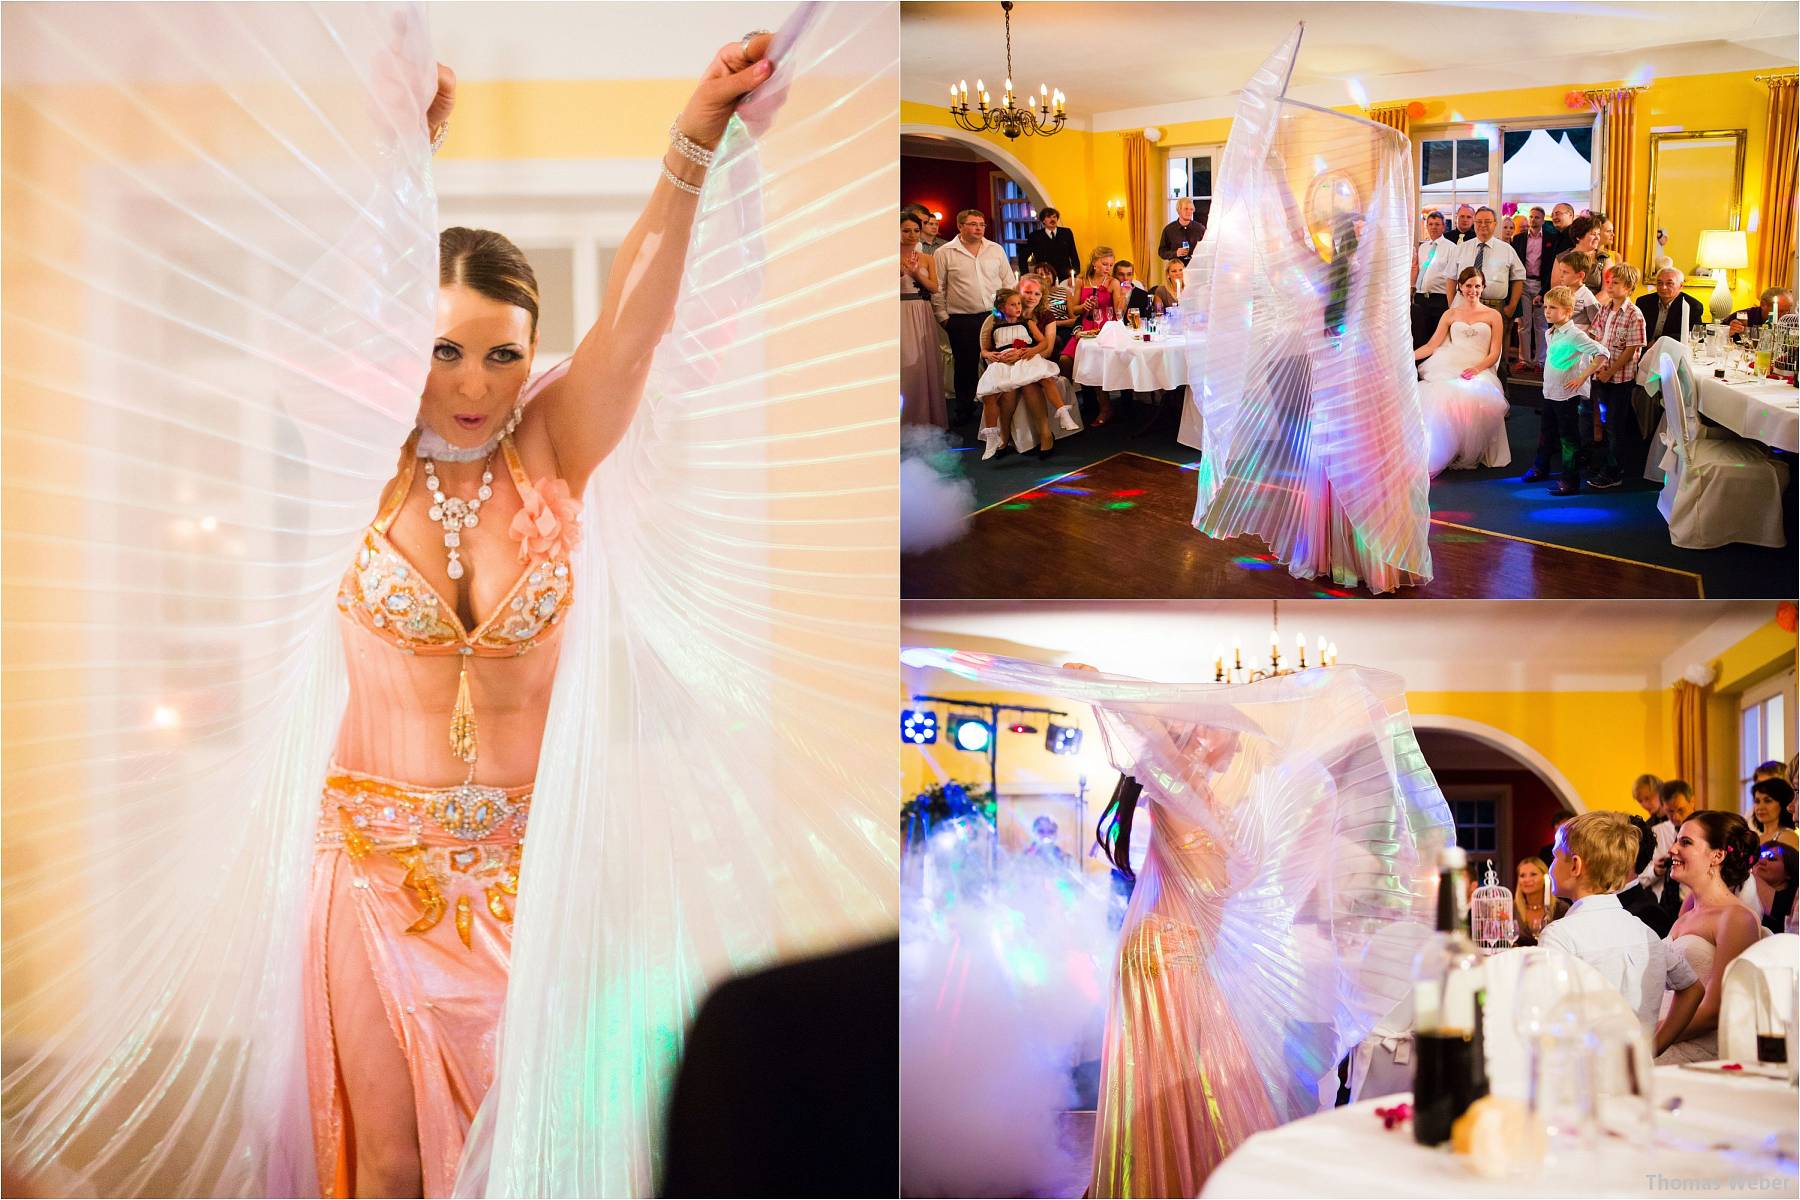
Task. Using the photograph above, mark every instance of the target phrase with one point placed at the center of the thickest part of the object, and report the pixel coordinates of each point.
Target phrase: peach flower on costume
(549, 523)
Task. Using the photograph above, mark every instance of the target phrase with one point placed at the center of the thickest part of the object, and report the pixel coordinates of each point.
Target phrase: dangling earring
(512, 422)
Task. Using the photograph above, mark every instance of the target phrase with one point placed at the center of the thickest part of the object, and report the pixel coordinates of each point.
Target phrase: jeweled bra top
(388, 596)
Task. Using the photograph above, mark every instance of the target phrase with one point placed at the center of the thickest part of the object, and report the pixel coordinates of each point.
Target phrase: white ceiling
(529, 39)
(1126, 65)
(1436, 645)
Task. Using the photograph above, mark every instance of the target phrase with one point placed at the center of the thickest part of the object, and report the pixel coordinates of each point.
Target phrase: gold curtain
(1137, 201)
(1775, 259)
(1618, 109)
(1690, 736)
(1391, 115)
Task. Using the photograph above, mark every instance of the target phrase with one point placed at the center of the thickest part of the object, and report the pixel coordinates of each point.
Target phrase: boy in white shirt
(1595, 854)
(1569, 359)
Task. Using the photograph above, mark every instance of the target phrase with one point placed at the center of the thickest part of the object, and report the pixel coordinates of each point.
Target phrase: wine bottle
(1449, 992)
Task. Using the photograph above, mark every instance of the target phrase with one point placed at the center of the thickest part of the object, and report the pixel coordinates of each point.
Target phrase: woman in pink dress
(1092, 304)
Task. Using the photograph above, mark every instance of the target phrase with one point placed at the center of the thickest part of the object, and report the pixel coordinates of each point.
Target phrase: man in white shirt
(970, 270)
(1432, 260)
(1502, 272)
(1595, 854)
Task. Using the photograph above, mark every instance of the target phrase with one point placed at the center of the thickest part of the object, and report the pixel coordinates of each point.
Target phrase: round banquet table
(1762, 410)
(1114, 361)
(1347, 1152)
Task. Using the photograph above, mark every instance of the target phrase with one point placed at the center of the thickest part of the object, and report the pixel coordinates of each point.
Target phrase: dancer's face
(479, 362)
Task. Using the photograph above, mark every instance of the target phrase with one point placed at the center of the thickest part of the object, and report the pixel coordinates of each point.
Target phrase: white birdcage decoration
(1784, 354)
(1492, 921)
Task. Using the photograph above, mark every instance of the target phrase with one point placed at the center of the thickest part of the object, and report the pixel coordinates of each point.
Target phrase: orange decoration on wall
(1415, 109)
(1785, 614)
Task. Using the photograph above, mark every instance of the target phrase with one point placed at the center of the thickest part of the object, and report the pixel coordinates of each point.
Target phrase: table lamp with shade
(1722, 250)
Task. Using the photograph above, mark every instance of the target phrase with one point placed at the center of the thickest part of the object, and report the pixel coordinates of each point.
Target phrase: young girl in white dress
(1012, 369)
(1460, 396)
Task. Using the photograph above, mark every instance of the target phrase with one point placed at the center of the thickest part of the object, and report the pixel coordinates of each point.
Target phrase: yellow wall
(564, 118)
(1082, 170)
(1765, 653)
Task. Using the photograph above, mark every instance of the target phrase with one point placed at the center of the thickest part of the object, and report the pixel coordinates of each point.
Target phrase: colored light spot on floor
(1069, 491)
(1568, 514)
(1457, 515)
(1123, 492)
(1247, 563)
(1032, 496)
(1014, 507)
(1122, 504)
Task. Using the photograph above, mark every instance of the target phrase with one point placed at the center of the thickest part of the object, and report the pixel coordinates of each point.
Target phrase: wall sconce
(1115, 208)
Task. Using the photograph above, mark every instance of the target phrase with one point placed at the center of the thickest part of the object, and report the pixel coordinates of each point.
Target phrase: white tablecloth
(1347, 1152)
(1131, 366)
(1764, 410)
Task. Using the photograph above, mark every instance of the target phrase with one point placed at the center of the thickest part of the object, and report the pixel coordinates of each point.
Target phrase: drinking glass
(1623, 1070)
(1563, 1077)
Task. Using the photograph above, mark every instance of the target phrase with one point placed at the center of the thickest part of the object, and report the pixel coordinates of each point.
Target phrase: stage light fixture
(971, 734)
(1021, 727)
(918, 727)
(1062, 739)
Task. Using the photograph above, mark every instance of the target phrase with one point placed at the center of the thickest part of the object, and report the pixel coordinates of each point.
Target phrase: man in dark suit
(790, 1085)
(1052, 245)
(1536, 246)
(1464, 229)
(1639, 900)
(1662, 308)
(1773, 303)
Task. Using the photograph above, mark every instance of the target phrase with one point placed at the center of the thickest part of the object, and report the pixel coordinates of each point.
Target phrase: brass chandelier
(1233, 669)
(1009, 117)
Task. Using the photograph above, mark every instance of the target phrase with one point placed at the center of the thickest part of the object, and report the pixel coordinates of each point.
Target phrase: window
(1765, 730)
(1538, 163)
(1482, 812)
(1014, 217)
(1453, 172)
(1191, 175)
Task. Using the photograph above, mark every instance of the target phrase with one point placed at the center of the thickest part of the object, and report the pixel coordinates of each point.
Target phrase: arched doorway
(948, 170)
(1504, 796)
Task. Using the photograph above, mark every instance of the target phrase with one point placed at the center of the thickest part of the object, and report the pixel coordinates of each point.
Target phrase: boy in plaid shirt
(1570, 358)
(1620, 332)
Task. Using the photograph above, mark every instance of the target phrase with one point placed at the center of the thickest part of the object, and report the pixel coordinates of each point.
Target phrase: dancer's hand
(439, 110)
(1075, 666)
(731, 74)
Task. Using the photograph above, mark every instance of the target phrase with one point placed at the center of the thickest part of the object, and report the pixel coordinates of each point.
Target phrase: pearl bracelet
(688, 148)
(438, 135)
(682, 184)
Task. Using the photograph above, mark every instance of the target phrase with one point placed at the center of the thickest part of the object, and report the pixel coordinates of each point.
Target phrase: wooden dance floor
(1119, 529)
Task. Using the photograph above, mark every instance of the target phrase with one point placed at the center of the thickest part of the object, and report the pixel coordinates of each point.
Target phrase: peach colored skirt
(424, 880)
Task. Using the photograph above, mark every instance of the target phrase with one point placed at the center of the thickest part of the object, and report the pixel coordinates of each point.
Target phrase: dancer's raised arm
(587, 411)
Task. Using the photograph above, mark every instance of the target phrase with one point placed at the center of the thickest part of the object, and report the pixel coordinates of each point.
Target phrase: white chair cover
(1717, 489)
(1763, 973)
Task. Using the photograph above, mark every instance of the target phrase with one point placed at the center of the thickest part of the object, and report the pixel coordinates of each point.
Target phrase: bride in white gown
(1459, 394)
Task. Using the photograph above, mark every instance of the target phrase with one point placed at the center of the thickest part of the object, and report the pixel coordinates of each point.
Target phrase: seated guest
(1594, 854)
(1168, 293)
(1434, 265)
(1503, 275)
(1775, 876)
(1180, 236)
(1662, 308)
(1091, 306)
(1639, 897)
(1533, 905)
(1769, 800)
(1774, 302)
(1052, 244)
(1128, 294)
(1713, 854)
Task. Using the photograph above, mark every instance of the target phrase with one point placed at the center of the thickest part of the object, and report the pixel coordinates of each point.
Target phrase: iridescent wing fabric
(220, 264)
(1299, 347)
(716, 788)
(1302, 872)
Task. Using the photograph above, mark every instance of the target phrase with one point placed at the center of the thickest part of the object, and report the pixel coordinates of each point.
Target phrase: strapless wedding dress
(1465, 419)
(1699, 953)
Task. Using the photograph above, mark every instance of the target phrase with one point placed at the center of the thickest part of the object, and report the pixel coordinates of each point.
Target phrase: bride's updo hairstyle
(1731, 833)
(488, 264)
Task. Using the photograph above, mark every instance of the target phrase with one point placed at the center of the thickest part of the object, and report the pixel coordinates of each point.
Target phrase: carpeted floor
(1622, 522)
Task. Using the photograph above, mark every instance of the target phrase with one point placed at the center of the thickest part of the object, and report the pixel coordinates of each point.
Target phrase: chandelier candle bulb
(1321, 658)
